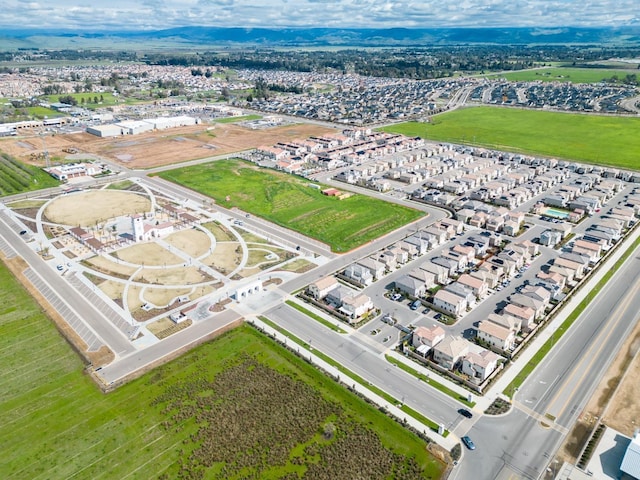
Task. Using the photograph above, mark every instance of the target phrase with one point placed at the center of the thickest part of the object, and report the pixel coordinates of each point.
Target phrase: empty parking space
(75, 322)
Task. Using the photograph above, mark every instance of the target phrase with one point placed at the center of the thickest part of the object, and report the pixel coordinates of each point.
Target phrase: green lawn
(564, 74)
(605, 140)
(17, 177)
(107, 99)
(171, 423)
(289, 201)
(43, 112)
(243, 118)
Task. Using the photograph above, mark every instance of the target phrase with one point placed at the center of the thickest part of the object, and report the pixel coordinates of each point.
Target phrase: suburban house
(552, 281)
(441, 273)
(449, 264)
(591, 249)
(377, 268)
(462, 291)
(496, 335)
(322, 287)
(524, 301)
(550, 238)
(421, 244)
(425, 338)
(575, 267)
(411, 285)
(450, 302)
(448, 352)
(508, 321)
(477, 285)
(490, 278)
(526, 315)
(409, 248)
(354, 306)
(480, 365)
(402, 256)
(336, 296)
(359, 274)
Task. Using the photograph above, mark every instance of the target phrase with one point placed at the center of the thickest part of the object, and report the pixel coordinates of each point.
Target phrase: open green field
(16, 177)
(238, 407)
(43, 112)
(289, 201)
(564, 74)
(243, 118)
(604, 140)
(107, 99)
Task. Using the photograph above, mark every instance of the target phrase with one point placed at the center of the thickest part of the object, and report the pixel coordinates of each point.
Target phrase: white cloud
(158, 14)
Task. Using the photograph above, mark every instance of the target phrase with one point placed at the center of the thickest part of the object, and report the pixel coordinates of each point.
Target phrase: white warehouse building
(134, 127)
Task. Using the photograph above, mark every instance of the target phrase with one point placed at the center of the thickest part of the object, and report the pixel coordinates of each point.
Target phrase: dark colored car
(465, 413)
(468, 443)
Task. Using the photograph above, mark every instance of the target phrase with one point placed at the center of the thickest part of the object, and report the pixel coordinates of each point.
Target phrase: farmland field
(290, 202)
(237, 407)
(604, 140)
(16, 177)
(564, 74)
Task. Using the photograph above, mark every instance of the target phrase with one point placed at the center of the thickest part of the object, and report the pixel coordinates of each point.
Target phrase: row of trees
(418, 63)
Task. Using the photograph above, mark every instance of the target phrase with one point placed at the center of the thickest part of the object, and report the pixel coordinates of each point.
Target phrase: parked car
(415, 304)
(60, 267)
(468, 443)
(396, 297)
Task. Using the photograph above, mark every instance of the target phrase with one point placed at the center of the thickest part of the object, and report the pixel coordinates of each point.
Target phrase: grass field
(107, 99)
(243, 118)
(564, 74)
(16, 177)
(597, 139)
(289, 201)
(237, 407)
(43, 112)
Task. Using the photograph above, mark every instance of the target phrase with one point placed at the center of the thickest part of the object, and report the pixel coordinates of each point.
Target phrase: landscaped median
(356, 378)
(571, 318)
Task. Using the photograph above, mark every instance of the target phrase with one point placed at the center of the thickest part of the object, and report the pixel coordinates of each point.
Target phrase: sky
(98, 15)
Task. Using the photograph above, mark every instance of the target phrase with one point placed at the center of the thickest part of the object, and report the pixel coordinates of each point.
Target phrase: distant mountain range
(316, 37)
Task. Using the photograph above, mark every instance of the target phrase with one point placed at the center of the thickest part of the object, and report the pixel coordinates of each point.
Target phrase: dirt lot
(193, 242)
(150, 254)
(74, 209)
(161, 148)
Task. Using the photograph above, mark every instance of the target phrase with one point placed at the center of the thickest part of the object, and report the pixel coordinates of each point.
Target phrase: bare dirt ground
(164, 296)
(615, 400)
(150, 254)
(105, 265)
(171, 276)
(154, 149)
(75, 209)
(225, 258)
(193, 242)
